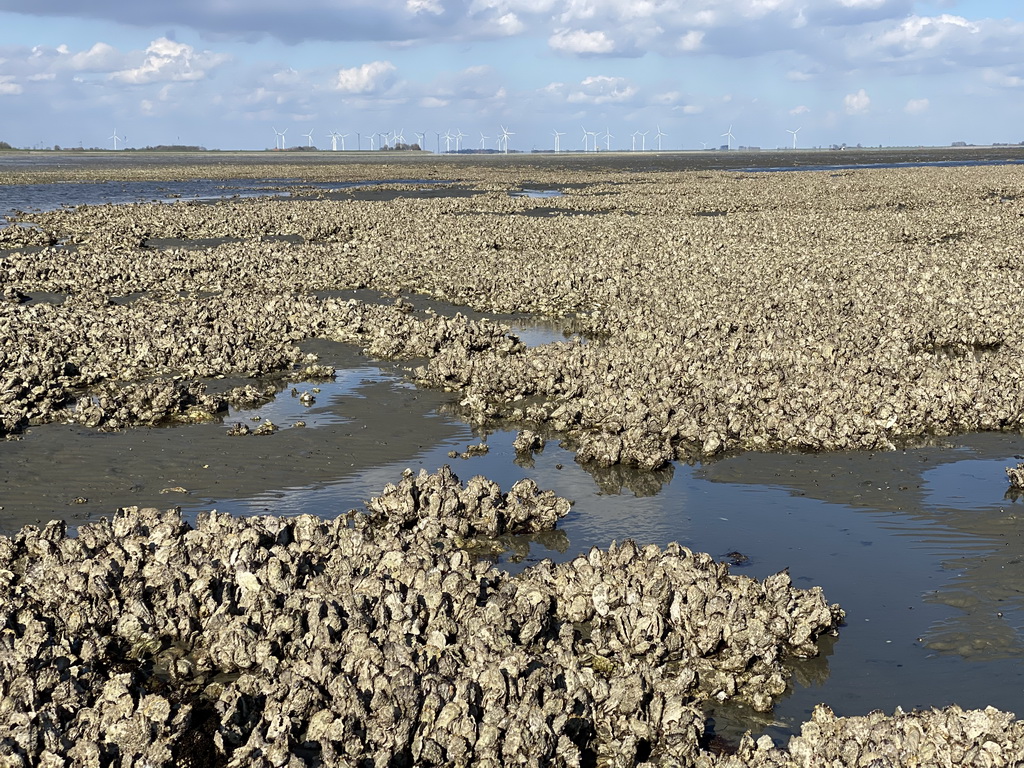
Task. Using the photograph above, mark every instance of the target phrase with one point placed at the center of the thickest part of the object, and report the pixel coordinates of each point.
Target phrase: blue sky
(224, 73)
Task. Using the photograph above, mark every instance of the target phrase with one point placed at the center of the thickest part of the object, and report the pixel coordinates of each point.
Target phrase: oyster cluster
(1016, 477)
(950, 736)
(813, 311)
(375, 638)
(718, 312)
(111, 364)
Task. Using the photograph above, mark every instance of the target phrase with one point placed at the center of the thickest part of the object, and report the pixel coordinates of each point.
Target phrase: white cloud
(602, 89)
(100, 58)
(581, 43)
(691, 41)
(509, 25)
(373, 77)
(916, 106)
(424, 6)
(692, 109)
(800, 110)
(432, 102)
(1001, 79)
(923, 32)
(8, 87)
(857, 103)
(167, 60)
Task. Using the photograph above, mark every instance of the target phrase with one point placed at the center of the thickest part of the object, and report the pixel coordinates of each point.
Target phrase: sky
(227, 74)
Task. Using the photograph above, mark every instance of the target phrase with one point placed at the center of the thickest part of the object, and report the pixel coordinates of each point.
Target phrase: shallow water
(920, 547)
(48, 197)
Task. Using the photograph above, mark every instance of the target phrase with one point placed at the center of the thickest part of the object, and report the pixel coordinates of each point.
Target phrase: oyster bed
(862, 309)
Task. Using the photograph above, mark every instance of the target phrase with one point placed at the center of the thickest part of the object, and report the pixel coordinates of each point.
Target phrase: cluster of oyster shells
(720, 311)
(375, 636)
(1016, 477)
(93, 360)
(949, 736)
(812, 311)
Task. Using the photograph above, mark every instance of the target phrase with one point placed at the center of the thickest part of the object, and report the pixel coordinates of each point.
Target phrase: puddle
(68, 194)
(969, 484)
(313, 403)
(540, 194)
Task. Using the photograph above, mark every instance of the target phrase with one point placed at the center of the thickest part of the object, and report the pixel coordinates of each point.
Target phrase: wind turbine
(607, 140)
(731, 137)
(116, 139)
(279, 138)
(658, 137)
(458, 139)
(421, 139)
(586, 133)
(483, 140)
(342, 137)
(557, 134)
(643, 140)
(399, 136)
(505, 133)
(635, 134)
(704, 144)
(371, 137)
(309, 138)
(333, 136)
(383, 139)
(448, 141)
(794, 135)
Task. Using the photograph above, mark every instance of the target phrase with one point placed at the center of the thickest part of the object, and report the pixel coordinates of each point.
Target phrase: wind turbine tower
(659, 137)
(607, 140)
(279, 138)
(730, 137)
(483, 140)
(794, 135)
(505, 133)
(115, 138)
(309, 138)
(643, 140)
(333, 136)
(557, 134)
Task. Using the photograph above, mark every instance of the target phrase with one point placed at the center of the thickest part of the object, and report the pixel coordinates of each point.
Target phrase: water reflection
(948, 500)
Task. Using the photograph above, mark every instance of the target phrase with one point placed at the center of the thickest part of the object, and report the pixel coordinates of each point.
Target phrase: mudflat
(716, 312)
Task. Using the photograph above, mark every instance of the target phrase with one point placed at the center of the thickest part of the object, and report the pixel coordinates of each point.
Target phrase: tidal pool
(921, 547)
